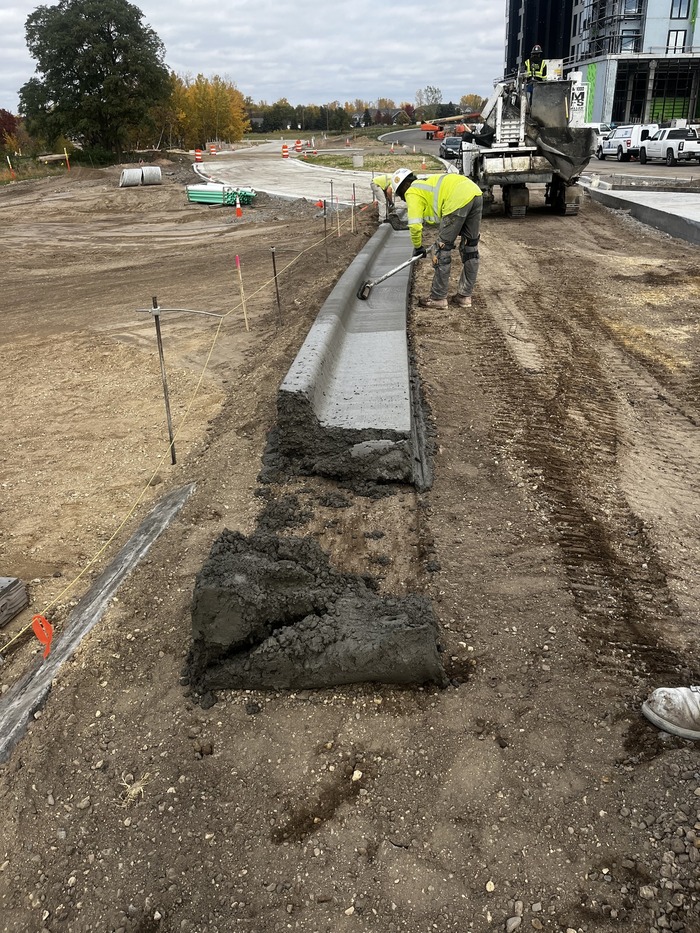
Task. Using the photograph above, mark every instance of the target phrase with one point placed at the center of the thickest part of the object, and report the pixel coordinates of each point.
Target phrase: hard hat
(401, 174)
(537, 48)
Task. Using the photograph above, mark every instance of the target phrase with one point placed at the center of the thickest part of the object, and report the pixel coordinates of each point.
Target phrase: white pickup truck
(677, 144)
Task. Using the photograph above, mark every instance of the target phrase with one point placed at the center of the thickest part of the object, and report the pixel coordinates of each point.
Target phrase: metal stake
(274, 270)
(156, 318)
(325, 228)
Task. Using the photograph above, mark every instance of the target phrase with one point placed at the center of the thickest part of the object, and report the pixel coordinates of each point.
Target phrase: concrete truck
(528, 138)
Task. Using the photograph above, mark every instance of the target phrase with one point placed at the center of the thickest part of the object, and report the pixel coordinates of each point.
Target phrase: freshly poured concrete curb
(344, 407)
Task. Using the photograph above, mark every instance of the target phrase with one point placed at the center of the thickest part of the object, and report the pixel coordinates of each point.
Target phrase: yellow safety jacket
(434, 197)
(382, 181)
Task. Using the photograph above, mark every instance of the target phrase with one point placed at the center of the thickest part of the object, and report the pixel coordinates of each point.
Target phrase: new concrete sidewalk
(674, 212)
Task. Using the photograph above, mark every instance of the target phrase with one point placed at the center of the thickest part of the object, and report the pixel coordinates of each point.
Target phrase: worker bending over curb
(455, 203)
(383, 195)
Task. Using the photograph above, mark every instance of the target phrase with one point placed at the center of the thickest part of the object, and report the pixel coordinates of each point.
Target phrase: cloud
(308, 52)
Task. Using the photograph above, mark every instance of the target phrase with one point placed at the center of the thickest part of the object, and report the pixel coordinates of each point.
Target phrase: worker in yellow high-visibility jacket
(453, 202)
(383, 195)
(535, 65)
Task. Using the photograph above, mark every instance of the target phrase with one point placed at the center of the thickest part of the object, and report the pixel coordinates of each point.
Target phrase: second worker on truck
(453, 202)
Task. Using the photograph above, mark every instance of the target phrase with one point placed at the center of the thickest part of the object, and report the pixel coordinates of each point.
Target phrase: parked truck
(672, 144)
(527, 138)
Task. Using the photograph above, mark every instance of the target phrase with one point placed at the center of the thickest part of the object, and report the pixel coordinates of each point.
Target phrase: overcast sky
(305, 50)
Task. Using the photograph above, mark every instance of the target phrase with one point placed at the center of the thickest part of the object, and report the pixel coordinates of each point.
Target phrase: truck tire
(601, 155)
(620, 154)
(670, 158)
(643, 156)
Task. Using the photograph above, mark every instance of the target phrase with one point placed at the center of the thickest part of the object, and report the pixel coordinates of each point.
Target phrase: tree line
(102, 83)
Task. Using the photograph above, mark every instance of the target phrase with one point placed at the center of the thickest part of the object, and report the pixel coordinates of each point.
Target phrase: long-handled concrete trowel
(364, 290)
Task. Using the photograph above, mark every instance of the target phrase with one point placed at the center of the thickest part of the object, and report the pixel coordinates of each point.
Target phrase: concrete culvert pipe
(151, 175)
(130, 178)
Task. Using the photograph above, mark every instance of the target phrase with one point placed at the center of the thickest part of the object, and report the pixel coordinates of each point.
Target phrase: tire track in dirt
(566, 425)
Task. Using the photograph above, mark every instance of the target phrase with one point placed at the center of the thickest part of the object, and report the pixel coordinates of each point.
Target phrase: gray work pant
(465, 223)
(383, 206)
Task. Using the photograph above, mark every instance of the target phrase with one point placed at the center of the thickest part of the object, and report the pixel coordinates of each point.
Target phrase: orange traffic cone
(423, 164)
(392, 149)
(239, 212)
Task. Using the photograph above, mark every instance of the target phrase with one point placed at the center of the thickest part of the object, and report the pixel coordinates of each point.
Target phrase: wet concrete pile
(271, 612)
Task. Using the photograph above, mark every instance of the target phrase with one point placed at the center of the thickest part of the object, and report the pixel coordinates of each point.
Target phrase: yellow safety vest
(539, 72)
(434, 197)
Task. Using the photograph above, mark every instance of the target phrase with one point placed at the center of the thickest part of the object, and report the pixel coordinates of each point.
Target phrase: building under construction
(639, 60)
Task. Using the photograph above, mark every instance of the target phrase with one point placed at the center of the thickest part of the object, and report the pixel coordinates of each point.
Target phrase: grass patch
(27, 170)
(380, 162)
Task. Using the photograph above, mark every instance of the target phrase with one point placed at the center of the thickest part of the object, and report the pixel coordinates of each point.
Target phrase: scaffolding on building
(611, 27)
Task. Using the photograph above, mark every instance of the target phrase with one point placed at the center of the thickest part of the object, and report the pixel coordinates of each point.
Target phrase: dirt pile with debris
(558, 548)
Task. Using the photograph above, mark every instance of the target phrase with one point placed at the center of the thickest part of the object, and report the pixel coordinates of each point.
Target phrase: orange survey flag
(43, 631)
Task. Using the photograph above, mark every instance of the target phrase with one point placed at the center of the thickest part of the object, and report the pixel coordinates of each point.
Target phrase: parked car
(602, 129)
(624, 141)
(450, 147)
(675, 144)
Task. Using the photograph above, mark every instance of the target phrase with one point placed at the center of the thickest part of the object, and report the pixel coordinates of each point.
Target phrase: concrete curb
(685, 228)
(344, 408)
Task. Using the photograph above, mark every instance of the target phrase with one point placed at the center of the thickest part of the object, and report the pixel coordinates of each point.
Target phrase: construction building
(638, 60)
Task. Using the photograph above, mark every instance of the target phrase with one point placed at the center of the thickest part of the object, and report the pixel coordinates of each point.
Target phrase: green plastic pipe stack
(219, 194)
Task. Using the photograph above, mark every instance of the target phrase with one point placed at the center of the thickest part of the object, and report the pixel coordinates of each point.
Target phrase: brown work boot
(429, 302)
(462, 301)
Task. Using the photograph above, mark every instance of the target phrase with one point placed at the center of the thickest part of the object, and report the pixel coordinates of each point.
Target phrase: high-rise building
(639, 59)
(536, 22)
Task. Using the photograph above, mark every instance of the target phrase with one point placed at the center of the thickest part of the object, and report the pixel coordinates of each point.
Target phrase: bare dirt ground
(559, 546)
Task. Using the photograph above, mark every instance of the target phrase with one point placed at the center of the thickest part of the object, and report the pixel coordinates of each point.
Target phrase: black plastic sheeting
(567, 149)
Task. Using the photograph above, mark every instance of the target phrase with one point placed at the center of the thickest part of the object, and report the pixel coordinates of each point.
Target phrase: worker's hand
(420, 251)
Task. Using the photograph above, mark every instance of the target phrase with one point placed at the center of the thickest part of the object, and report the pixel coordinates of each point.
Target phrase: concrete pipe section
(151, 175)
(130, 178)
(345, 407)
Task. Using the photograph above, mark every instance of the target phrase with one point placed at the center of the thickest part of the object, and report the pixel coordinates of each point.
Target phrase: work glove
(420, 251)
